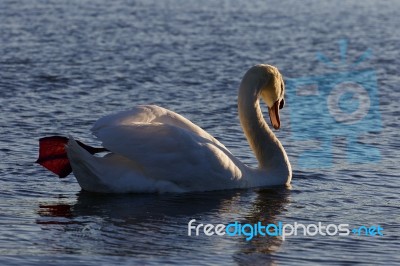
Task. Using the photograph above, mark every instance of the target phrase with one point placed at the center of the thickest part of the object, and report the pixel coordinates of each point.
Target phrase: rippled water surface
(64, 64)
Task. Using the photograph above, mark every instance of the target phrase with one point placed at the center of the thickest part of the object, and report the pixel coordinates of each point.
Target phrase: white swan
(152, 149)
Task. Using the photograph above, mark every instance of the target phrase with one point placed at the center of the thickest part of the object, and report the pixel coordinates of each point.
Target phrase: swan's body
(156, 150)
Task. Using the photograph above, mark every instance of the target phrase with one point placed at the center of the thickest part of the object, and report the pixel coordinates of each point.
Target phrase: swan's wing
(152, 114)
(166, 146)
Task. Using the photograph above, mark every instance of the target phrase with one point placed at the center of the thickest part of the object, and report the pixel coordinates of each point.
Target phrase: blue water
(64, 64)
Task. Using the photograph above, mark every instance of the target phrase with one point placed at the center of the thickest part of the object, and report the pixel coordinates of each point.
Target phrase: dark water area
(64, 64)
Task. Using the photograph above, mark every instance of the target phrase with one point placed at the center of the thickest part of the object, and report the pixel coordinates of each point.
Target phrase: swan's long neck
(266, 146)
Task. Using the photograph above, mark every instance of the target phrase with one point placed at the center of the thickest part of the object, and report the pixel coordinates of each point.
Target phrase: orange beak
(274, 115)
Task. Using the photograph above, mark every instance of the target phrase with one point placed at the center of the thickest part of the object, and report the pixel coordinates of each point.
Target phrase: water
(64, 64)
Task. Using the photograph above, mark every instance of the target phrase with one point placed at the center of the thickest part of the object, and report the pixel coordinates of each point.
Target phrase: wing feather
(151, 114)
(167, 146)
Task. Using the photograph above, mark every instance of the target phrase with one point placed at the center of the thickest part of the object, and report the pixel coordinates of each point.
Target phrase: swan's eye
(282, 103)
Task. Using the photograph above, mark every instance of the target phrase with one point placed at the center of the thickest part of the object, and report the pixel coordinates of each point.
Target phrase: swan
(151, 149)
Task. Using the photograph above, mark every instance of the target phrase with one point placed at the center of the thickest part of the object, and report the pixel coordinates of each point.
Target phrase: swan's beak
(274, 115)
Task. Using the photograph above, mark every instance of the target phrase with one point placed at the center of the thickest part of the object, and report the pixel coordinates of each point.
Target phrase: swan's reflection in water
(268, 206)
(155, 226)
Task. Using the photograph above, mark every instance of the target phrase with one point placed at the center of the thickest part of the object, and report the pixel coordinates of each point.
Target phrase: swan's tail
(53, 155)
(111, 173)
(88, 169)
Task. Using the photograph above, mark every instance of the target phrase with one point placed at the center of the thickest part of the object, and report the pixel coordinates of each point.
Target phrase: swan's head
(270, 88)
